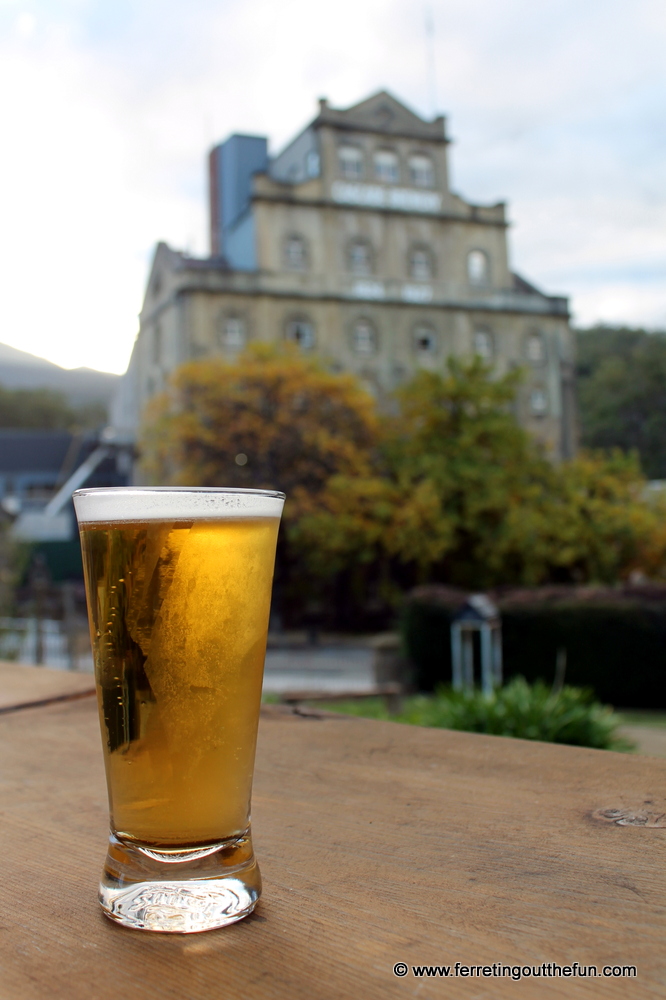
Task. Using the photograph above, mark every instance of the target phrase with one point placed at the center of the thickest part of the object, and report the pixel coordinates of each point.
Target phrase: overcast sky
(107, 108)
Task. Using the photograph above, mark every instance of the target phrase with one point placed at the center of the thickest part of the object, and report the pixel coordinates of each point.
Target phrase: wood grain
(22, 685)
(379, 843)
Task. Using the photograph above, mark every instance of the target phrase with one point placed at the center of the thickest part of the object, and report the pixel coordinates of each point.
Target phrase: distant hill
(20, 370)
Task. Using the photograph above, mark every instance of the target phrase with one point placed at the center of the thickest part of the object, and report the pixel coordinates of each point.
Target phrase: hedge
(615, 640)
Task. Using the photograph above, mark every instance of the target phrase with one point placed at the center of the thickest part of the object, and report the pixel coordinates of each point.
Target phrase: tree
(465, 497)
(272, 420)
(444, 486)
(44, 409)
(622, 393)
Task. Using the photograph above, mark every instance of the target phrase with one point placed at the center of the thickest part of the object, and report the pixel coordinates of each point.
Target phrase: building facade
(351, 244)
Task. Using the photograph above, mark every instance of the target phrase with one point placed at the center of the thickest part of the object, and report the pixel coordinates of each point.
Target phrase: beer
(178, 585)
(179, 619)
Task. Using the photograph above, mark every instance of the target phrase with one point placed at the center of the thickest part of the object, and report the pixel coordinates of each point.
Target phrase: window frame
(539, 411)
(291, 239)
(377, 174)
(484, 331)
(412, 179)
(420, 329)
(532, 337)
(360, 241)
(357, 176)
(484, 281)
(421, 248)
(225, 320)
(301, 320)
(368, 324)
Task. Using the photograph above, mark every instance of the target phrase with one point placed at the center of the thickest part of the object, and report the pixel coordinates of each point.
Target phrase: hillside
(20, 370)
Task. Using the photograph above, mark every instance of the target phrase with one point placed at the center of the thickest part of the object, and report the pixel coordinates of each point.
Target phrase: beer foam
(166, 504)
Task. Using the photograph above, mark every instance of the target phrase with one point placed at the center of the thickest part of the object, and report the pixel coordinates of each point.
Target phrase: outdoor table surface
(379, 843)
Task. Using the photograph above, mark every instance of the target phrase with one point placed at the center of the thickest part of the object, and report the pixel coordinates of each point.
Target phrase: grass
(521, 710)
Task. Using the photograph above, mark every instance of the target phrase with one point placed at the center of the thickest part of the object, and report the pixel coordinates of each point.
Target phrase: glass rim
(115, 490)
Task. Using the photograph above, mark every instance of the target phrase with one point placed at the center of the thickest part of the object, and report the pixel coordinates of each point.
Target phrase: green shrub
(522, 710)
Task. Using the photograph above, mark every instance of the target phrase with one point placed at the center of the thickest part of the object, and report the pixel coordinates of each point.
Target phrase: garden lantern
(478, 614)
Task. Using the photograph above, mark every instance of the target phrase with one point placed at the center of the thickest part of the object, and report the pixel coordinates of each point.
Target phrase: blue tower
(231, 166)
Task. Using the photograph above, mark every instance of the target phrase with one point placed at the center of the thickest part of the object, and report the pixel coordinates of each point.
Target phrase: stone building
(351, 243)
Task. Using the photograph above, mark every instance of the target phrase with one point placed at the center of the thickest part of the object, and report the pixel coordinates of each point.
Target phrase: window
(420, 264)
(232, 335)
(360, 257)
(364, 338)
(350, 159)
(295, 253)
(386, 166)
(424, 340)
(478, 270)
(535, 348)
(421, 171)
(312, 166)
(301, 331)
(483, 344)
(539, 402)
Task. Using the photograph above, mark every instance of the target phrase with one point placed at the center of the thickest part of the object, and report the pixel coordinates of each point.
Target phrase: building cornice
(474, 218)
(553, 306)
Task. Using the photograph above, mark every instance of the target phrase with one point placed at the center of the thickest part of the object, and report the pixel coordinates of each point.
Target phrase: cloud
(106, 110)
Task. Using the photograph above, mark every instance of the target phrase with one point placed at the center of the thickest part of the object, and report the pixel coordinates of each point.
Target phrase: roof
(384, 114)
(478, 608)
(33, 451)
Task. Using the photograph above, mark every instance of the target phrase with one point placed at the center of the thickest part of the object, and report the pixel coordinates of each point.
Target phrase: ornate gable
(384, 114)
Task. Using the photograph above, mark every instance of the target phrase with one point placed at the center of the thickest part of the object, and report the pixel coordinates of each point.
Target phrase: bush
(615, 640)
(520, 710)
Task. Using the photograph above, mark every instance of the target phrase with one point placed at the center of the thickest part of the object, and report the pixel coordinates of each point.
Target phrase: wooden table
(379, 843)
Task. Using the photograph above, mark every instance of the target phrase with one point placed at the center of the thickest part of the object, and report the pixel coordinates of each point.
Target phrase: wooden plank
(379, 843)
(22, 685)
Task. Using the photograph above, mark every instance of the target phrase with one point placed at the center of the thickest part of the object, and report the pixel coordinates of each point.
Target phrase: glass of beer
(178, 583)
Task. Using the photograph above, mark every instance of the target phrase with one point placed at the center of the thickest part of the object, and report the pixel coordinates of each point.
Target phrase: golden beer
(179, 612)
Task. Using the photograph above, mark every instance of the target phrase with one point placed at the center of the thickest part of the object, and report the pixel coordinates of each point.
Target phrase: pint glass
(178, 583)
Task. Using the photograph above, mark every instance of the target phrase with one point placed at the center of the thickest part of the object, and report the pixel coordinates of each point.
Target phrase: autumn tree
(443, 485)
(272, 420)
(463, 495)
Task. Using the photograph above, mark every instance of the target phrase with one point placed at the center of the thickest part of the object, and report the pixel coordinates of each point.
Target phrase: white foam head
(134, 503)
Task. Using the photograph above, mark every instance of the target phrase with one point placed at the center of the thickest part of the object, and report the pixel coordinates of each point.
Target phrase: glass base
(182, 890)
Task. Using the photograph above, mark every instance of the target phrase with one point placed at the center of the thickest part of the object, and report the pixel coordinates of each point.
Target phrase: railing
(45, 642)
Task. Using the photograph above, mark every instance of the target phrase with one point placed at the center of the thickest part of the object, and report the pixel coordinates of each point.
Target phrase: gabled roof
(33, 451)
(384, 114)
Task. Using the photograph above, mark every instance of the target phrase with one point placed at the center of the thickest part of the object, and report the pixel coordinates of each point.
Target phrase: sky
(108, 107)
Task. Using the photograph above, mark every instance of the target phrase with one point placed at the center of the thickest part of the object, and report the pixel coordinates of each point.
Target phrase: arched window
(478, 268)
(295, 253)
(421, 264)
(364, 337)
(535, 348)
(360, 257)
(424, 340)
(350, 161)
(538, 401)
(232, 333)
(386, 166)
(301, 331)
(421, 171)
(312, 164)
(483, 345)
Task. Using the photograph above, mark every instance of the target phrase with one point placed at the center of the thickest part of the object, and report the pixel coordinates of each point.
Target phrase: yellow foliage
(273, 420)
(448, 488)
